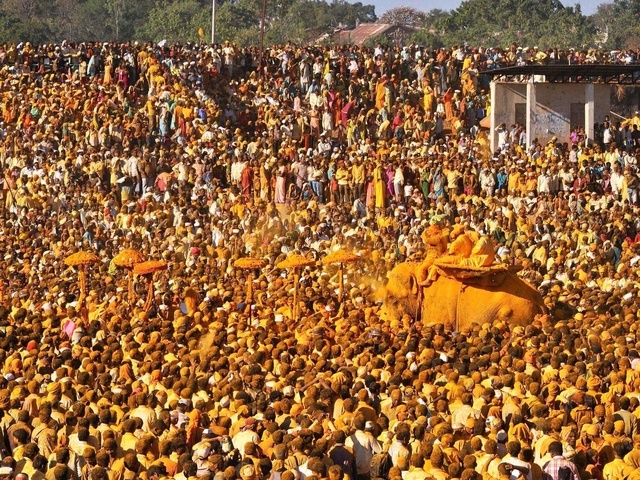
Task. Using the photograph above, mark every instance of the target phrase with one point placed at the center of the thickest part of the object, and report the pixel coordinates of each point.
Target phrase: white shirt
(543, 184)
(607, 136)
(132, 166)
(365, 446)
(617, 182)
(240, 439)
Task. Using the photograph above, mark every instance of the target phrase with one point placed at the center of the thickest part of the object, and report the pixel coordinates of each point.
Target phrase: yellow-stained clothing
(482, 254)
(461, 246)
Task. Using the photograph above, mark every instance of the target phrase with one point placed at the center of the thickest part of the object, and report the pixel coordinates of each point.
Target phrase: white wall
(504, 97)
(551, 114)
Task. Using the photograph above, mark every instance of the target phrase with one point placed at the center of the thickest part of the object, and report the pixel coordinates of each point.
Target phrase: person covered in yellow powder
(467, 249)
(151, 111)
(460, 247)
(379, 182)
(381, 92)
(436, 240)
(635, 120)
(428, 98)
(482, 254)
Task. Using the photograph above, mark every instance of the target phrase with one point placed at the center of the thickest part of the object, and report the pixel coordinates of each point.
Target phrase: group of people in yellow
(194, 158)
(458, 247)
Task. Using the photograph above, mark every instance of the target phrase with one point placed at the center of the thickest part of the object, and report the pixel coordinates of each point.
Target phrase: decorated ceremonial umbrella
(250, 264)
(341, 257)
(128, 259)
(82, 260)
(296, 262)
(147, 269)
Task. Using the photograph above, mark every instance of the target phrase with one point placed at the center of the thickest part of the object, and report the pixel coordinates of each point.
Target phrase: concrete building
(552, 100)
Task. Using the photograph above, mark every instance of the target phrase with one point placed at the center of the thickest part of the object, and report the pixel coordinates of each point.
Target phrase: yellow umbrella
(250, 264)
(128, 259)
(341, 257)
(296, 262)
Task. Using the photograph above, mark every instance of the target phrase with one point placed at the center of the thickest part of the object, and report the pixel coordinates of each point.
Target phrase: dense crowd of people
(198, 156)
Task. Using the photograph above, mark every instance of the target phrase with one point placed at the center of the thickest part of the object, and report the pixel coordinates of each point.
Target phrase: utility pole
(213, 21)
(264, 14)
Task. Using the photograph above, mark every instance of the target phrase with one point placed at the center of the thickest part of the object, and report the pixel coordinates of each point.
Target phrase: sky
(588, 6)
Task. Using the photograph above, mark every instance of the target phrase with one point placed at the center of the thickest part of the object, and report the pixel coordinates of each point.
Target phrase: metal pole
(264, 14)
(213, 21)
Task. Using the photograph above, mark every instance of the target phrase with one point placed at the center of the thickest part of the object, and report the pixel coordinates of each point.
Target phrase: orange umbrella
(341, 257)
(82, 260)
(147, 269)
(296, 262)
(128, 259)
(250, 264)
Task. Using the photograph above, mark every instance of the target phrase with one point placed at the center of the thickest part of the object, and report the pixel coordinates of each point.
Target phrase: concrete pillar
(494, 106)
(589, 111)
(531, 110)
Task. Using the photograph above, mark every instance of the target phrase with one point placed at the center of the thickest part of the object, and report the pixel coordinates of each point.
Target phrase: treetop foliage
(490, 23)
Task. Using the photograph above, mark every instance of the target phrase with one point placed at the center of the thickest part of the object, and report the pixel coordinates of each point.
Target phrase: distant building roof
(365, 31)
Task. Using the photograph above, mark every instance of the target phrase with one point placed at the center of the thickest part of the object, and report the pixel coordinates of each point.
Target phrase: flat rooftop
(575, 73)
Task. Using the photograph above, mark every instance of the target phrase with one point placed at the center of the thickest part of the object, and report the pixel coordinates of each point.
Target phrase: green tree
(404, 16)
(15, 30)
(618, 24)
(116, 8)
(345, 13)
(44, 21)
(427, 38)
(232, 19)
(378, 39)
(546, 23)
(86, 26)
(174, 21)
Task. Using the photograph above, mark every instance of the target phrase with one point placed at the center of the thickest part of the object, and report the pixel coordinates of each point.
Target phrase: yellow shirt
(616, 470)
(150, 107)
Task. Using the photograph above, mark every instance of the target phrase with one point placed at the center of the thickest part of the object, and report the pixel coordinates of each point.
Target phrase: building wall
(557, 109)
(561, 106)
(506, 100)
